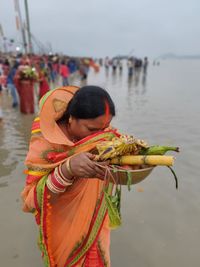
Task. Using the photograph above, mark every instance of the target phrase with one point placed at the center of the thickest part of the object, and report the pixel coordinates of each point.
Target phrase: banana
(119, 146)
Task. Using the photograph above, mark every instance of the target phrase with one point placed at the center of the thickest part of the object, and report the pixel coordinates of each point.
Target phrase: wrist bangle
(68, 167)
(69, 180)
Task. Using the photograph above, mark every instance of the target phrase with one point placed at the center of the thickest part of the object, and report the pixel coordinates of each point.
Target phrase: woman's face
(80, 128)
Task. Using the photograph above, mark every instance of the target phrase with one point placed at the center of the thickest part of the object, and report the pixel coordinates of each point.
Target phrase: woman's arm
(65, 175)
(78, 166)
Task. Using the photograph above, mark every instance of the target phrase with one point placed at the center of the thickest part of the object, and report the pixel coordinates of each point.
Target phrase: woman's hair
(89, 102)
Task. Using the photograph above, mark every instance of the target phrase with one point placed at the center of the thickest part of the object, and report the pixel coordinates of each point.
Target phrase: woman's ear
(70, 120)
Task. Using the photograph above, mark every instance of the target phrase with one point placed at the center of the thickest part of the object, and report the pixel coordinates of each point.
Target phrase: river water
(161, 225)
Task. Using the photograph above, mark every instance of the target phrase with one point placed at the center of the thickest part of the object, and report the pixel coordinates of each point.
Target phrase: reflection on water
(138, 81)
(144, 80)
(14, 136)
(160, 226)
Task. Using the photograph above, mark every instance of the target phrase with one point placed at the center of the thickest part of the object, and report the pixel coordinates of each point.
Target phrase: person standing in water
(64, 186)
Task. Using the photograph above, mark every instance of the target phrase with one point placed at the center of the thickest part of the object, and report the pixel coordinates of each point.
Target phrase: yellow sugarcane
(140, 160)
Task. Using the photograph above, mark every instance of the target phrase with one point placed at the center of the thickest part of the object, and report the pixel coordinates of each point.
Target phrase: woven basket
(121, 176)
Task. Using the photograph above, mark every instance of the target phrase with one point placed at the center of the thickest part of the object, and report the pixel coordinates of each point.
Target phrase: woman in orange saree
(64, 188)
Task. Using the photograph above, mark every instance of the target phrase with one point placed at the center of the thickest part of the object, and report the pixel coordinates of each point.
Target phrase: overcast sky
(110, 27)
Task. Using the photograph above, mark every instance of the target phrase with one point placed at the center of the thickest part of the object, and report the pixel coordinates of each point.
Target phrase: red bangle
(56, 182)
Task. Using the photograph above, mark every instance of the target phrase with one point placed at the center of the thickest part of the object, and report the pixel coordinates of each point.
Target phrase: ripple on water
(14, 135)
(3, 184)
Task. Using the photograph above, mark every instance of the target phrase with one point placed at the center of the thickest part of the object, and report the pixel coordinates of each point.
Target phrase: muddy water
(161, 226)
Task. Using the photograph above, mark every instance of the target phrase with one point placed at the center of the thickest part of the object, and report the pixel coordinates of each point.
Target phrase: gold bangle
(69, 167)
(64, 178)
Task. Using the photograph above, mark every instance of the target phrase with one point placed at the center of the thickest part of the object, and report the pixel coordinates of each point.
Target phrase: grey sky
(111, 27)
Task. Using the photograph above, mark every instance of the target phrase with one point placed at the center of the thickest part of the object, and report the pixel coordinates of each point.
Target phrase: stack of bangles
(57, 182)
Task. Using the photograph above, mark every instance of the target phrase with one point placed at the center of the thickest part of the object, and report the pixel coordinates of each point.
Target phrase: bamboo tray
(121, 176)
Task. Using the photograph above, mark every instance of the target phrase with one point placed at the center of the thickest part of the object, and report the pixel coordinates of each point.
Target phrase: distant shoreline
(173, 56)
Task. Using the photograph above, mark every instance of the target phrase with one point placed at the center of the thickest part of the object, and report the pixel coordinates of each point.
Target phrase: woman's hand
(83, 166)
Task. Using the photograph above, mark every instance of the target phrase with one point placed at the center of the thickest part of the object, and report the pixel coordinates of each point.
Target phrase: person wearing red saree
(64, 73)
(64, 186)
(43, 83)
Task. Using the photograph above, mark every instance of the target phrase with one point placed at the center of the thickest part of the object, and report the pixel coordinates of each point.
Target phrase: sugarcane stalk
(143, 160)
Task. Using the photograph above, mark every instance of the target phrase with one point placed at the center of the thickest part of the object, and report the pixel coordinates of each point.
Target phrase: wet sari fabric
(74, 231)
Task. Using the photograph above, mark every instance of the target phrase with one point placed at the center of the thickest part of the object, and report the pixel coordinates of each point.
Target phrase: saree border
(93, 234)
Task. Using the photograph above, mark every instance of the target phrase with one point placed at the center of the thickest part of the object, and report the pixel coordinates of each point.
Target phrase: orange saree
(74, 231)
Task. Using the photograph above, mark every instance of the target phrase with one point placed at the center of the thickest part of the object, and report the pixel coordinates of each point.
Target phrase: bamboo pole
(30, 48)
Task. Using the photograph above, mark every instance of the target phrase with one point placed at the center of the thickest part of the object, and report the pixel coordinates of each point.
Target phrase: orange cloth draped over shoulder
(74, 231)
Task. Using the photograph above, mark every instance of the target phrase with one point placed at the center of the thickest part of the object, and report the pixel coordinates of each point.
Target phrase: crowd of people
(51, 71)
(133, 64)
(54, 70)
